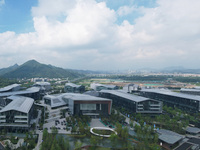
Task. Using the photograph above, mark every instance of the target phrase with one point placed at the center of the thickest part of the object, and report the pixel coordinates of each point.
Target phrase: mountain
(6, 70)
(32, 69)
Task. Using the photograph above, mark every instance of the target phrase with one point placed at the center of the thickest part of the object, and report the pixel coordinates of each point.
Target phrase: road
(40, 135)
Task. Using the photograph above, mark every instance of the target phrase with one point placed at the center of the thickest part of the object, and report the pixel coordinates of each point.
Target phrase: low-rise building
(80, 104)
(10, 88)
(130, 88)
(99, 87)
(74, 88)
(33, 92)
(192, 130)
(17, 114)
(44, 86)
(133, 103)
(169, 139)
(185, 102)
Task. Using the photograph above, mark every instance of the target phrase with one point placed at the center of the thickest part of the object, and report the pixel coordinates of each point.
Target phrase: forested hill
(32, 69)
(5, 82)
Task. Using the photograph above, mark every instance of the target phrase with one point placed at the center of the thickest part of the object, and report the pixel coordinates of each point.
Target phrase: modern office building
(55, 101)
(99, 87)
(133, 103)
(10, 88)
(33, 92)
(74, 88)
(17, 114)
(80, 104)
(44, 86)
(173, 99)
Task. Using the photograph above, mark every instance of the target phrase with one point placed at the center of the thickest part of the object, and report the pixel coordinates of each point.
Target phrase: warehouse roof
(123, 94)
(19, 103)
(9, 87)
(170, 93)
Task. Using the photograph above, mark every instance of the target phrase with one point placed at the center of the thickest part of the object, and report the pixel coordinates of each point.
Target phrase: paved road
(39, 140)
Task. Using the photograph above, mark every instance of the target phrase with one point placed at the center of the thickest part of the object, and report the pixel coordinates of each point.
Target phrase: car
(110, 126)
(64, 128)
(61, 123)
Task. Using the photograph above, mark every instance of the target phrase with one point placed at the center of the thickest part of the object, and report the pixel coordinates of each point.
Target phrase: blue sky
(15, 15)
(101, 34)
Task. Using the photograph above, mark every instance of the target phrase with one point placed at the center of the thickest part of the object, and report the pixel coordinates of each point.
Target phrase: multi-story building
(74, 88)
(99, 87)
(133, 103)
(17, 114)
(80, 104)
(183, 101)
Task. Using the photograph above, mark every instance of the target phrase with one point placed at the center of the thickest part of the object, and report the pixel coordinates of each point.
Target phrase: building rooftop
(9, 87)
(189, 90)
(169, 137)
(27, 91)
(72, 85)
(104, 85)
(19, 103)
(42, 83)
(193, 130)
(170, 93)
(83, 97)
(123, 94)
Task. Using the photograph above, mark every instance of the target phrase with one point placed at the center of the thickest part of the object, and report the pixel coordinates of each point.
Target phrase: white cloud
(83, 34)
(125, 10)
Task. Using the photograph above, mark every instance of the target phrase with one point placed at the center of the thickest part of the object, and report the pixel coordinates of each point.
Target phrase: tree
(78, 145)
(113, 138)
(54, 131)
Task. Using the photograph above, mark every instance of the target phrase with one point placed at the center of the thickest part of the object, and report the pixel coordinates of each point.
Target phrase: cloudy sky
(101, 34)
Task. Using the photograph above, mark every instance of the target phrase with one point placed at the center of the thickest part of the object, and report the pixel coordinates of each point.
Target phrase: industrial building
(74, 88)
(173, 99)
(133, 103)
(80, 104)
(17, 114)
(99, 87)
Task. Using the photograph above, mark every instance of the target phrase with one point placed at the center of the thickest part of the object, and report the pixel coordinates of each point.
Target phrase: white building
(99, 87)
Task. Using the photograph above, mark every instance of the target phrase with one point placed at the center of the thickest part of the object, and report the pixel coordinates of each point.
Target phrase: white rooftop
(72, 85)
(19, 103)
(9, 87)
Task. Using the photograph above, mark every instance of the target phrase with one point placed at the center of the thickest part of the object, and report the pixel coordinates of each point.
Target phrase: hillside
(32, 69)
(6, 70)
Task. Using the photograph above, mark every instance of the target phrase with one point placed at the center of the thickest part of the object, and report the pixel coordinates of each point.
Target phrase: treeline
(5, 82)
(152, 78)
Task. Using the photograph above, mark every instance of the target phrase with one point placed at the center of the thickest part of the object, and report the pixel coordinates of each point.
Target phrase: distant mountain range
(32, 69)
